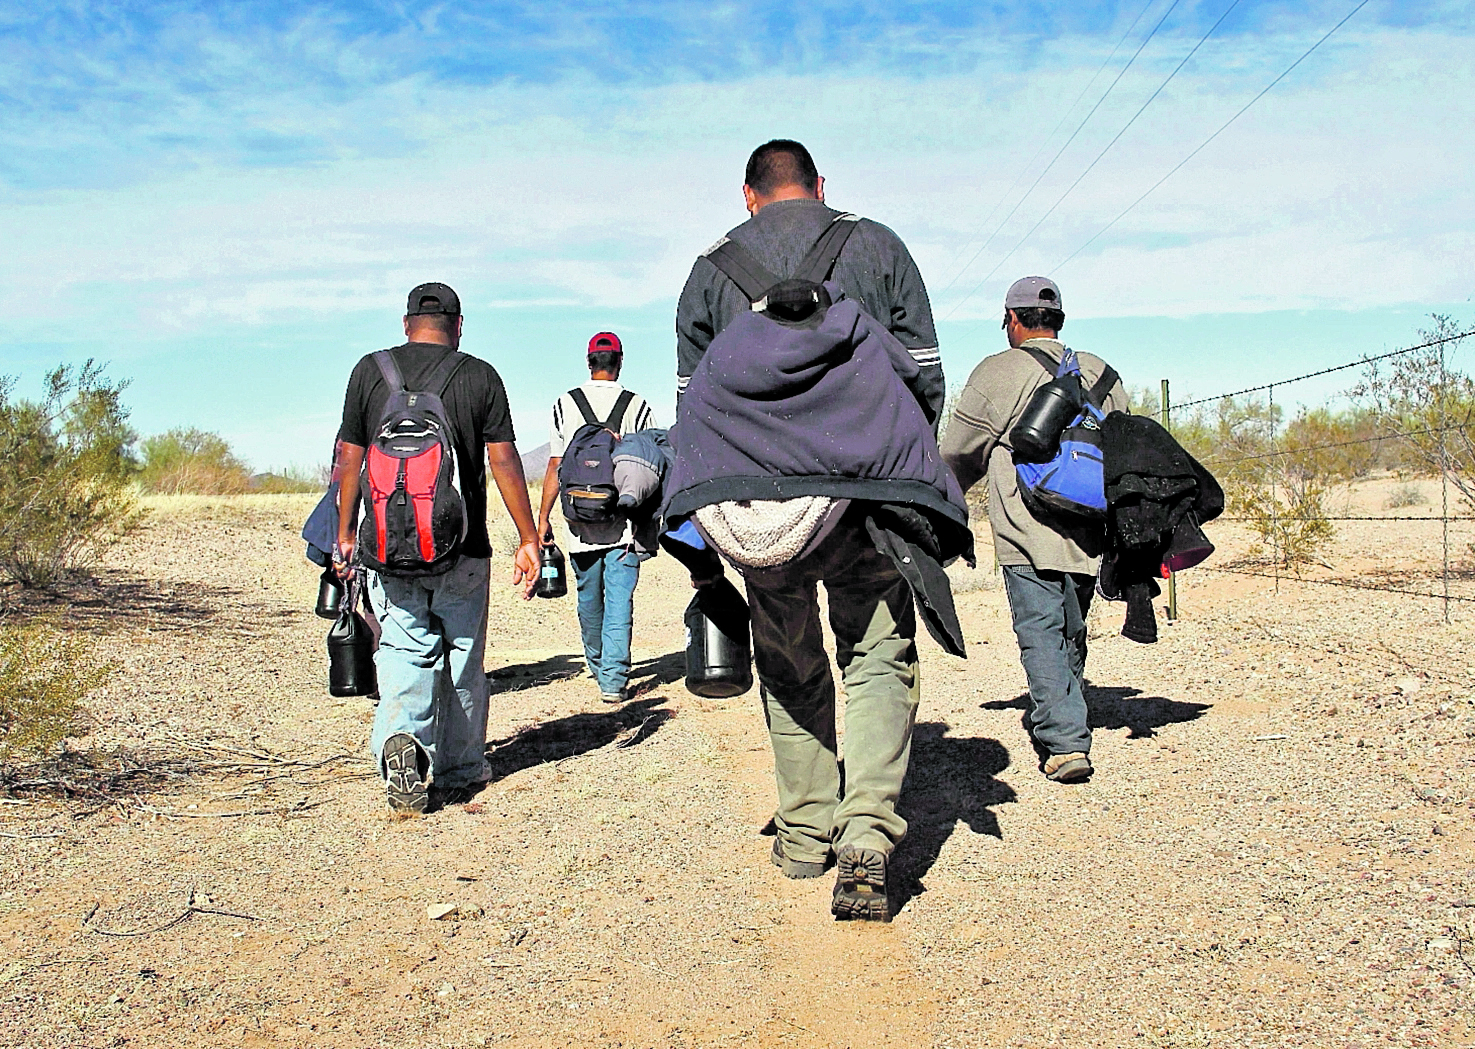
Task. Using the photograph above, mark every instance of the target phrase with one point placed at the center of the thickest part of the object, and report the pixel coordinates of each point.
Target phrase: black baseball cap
(434, 297)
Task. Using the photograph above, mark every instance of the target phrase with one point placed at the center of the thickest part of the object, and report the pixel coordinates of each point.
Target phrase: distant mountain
(535, 462)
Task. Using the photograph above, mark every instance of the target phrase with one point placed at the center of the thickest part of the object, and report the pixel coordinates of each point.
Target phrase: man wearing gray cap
(1049, 562)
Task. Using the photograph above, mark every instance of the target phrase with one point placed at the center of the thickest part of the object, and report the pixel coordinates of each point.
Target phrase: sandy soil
(1276, 849)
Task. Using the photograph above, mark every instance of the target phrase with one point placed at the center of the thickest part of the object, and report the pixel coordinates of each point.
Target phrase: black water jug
(351, 655)
(719, 660)
(330, 594)
(1036, 437)
(552, 572)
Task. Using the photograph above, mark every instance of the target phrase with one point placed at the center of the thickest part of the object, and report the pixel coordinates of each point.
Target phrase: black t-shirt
(476, 404)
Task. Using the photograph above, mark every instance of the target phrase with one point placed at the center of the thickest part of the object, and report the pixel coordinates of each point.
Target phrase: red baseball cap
(606, 342)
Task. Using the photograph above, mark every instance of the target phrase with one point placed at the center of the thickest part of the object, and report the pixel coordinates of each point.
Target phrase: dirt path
(1276, 850)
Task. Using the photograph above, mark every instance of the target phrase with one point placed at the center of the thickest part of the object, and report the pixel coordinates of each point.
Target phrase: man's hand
(351, 459)
(343, 556)
(525, 567)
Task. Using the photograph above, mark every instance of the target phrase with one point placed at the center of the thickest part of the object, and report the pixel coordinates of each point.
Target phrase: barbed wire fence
(1278, 455)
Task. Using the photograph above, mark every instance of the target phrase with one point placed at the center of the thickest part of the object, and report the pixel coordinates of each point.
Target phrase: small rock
(469, 912)
(1441, 943)
(445, 991)
(1408, 685)
(438, 912)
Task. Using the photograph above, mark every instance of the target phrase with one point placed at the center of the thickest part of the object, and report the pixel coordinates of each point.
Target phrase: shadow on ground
(519, 676)
(576, 734)
(1117, 707)
(653, 673)
(950, 779)
(114, 601)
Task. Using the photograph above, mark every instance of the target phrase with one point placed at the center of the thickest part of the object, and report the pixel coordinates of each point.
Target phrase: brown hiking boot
(1068, 768)
(795, 868)
(860, 885)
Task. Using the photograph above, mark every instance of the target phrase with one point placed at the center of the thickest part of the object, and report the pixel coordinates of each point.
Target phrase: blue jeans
(432, 681)
(1049, 611)
(606, 581)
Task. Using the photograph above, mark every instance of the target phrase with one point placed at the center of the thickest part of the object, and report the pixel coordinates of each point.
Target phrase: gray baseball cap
(1041, 292)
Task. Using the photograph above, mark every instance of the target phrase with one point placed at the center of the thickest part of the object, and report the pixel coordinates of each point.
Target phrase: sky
(227, 202)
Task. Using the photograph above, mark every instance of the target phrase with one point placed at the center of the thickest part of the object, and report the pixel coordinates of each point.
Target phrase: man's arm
(696, 327)
(351, 462)
(506, 467)
(972, 434)
(550, 496)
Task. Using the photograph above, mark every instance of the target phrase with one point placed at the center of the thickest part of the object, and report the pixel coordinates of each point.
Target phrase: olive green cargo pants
(875, 629)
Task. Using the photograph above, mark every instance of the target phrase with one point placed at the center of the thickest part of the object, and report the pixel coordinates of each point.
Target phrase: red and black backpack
(416, 518)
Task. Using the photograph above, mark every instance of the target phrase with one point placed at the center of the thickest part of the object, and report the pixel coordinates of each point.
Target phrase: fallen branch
(189, 909)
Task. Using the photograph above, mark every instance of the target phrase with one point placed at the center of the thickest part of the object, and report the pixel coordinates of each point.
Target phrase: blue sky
(227, 202)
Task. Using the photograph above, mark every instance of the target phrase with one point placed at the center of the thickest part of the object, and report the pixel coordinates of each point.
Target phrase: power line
(1327, 371)
(1044, 144)
(1004, 221)
(1089, 167)
(1263, 92)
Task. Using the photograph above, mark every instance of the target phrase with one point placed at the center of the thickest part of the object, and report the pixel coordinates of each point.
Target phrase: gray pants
(1049, 611)
(875, 629)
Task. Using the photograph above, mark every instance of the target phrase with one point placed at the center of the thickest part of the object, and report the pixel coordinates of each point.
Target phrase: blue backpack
(1073, 482)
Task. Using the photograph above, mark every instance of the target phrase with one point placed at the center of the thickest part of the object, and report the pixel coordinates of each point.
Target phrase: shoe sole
(1071, 771)
(404, 787)
(860, 886)
(796, 869)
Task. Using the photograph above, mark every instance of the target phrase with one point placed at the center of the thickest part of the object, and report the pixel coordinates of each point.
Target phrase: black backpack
(586, 474)
(415, 520)
(801, 300)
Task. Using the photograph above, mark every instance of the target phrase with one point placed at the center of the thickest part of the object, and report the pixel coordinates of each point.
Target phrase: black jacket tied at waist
(1157, 496)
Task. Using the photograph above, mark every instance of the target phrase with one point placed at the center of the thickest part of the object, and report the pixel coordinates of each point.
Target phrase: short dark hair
(781, 162)
(605, 361)
(445, 323)
(1039, 318)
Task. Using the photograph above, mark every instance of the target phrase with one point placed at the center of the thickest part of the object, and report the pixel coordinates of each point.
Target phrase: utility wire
(1044, 144)
(1089, 167)
(1341, 583)
(1004, 221)
(1263, 92)
(1327, 371)
(1378, 438)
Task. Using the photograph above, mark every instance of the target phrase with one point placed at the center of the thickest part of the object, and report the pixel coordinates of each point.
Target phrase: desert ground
(1275, 850)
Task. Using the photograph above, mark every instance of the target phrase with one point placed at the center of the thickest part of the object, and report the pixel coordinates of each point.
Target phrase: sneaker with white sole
(405, 786)
(860, 885)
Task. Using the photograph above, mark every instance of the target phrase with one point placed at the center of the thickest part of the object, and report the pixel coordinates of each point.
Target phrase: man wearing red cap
(606, 564)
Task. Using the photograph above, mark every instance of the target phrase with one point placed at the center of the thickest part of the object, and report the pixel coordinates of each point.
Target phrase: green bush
(1428, 407)
(186, 461)
(44, 676)
(64, 464)
(293, 480)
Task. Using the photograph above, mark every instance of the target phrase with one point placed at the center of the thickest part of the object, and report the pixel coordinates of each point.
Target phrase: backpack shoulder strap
(739, 265)
(1097, 393)
(1041, 358)
(617, 413)
(585, 408)
(820, 260)
(389, 368)
(440, 379)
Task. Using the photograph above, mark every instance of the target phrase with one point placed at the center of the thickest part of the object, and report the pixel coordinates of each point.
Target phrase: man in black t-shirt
(431, 724)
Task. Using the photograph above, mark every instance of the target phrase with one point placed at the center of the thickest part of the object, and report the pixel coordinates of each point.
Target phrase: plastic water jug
(719, 657)
(1036, 437)
(351, 655)
(330, 594)
(552, 572)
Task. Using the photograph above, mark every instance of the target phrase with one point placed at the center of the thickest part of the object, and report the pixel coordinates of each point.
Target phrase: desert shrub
(64, 464)
(1275, 480)
(1406, 494)
(294, 480)
(186, 461)
(1427, 407)
(44, 676)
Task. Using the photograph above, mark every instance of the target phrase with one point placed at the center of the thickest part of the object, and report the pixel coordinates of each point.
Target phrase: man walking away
(785, 195)
(431, 725)
(606, 564)
(1049, 562)
(805, 453)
